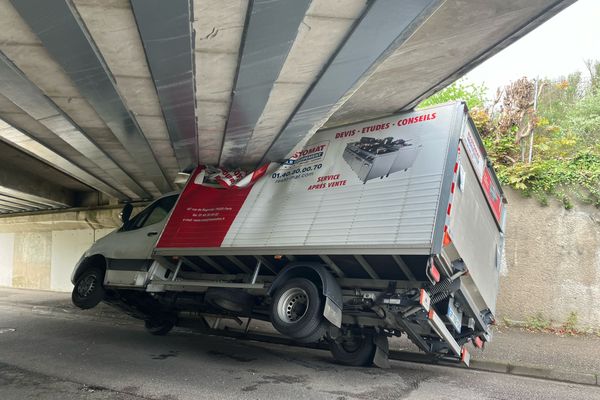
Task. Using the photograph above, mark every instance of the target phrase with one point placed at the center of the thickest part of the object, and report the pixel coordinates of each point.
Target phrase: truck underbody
(381, 296)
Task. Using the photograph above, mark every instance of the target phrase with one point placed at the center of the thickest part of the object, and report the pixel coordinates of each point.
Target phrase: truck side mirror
(126, 212)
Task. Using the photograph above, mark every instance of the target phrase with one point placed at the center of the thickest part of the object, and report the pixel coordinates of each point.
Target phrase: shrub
(565, 128)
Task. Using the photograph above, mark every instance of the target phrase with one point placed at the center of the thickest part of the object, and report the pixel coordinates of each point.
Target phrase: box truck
(373, 230)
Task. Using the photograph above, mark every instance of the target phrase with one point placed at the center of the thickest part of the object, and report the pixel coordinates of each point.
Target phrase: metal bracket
(439, 327)
(256, 271)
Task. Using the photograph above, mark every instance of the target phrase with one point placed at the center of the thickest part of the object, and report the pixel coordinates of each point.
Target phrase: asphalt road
(48, 356)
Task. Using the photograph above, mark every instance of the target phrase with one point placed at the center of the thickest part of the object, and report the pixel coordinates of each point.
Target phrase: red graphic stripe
(202, 216)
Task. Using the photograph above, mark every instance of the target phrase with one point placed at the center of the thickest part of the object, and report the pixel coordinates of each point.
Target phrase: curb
(421, 358)
(530, 371)
(553, 374)
(500, 367)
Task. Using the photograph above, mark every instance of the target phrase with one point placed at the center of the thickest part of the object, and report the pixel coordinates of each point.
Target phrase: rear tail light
(447, 240)
(465, 357)
(434, 273)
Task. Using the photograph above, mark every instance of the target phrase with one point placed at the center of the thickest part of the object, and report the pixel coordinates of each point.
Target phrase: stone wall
(552, 256)
(552, 262)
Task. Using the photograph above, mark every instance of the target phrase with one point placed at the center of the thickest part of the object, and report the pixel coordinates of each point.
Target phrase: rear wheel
(88, 290)
(297, 310)
(354, 350)
(236, 301)
(159, 326)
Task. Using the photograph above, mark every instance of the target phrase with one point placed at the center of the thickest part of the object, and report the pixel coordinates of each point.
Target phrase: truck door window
(158, 213)
(153, 214)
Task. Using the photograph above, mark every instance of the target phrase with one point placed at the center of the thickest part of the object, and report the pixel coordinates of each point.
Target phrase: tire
(88, 290)
(355, 351)
(159, 326)
(297, 311)
(236, 301)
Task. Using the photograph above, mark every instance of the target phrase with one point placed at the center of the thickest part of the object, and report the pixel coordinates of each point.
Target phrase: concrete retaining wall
(552, 262)
(43, 260)
(40, 251)
(552, 256)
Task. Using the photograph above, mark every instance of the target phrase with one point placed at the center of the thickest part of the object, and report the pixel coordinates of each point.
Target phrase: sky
(554, 49)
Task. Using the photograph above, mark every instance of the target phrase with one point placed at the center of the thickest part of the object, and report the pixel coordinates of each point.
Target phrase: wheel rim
(293, 305)
(351, 345)
(86, 286)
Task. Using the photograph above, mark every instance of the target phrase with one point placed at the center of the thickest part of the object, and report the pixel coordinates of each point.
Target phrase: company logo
(310, 153)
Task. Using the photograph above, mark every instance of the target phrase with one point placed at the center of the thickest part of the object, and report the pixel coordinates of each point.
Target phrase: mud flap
(332, 313)
(382, 351)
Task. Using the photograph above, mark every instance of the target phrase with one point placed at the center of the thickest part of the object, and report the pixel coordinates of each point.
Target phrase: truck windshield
(151, 215)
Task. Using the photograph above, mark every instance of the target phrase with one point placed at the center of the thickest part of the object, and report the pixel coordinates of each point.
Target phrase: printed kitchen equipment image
(407, 154)
(372, 158)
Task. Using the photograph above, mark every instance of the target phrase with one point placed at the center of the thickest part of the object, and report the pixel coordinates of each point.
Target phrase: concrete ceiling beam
(219, 28)
(455, 39)
(62, 32)
(380, 31)
(12, 207)
(115, 32)
(527, 26)
(17, 88)
(166, 33)
(271, 29)
(326, 23)
(31, 146)
(30, 205)
(22, 185)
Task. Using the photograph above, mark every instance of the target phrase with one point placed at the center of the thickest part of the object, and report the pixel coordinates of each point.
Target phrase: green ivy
(578, 176)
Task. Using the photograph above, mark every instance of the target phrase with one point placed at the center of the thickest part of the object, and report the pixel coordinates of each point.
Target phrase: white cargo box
(372, 199)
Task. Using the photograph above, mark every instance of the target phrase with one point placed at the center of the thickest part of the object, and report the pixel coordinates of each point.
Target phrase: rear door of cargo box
(476, 218)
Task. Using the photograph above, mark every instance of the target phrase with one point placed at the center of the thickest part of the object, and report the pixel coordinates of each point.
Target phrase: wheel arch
(325, 281)
(96, 260)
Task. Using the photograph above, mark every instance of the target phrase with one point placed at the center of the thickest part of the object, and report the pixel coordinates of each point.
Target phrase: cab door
(130, 248)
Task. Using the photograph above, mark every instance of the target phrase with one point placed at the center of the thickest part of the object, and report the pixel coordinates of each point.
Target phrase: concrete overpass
(106, 101)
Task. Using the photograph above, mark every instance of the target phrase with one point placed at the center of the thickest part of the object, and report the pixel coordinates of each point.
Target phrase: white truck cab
(127, 250)
(134, 241)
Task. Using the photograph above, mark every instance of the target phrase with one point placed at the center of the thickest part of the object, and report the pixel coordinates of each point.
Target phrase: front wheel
(354, 350)
(88, 290)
